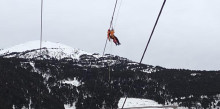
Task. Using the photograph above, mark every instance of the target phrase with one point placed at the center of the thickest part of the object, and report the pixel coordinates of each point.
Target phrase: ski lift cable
(107, 40)
(41, 27)
(117, 14)
(147, 44)
(110, 26)
(113, 15)
(41, 37)
(105, 47)
(152, 31)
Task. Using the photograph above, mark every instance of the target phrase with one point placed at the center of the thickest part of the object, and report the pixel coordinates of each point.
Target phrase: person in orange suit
(112, 36)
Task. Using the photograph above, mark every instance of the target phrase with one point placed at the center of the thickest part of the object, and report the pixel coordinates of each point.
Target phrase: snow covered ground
(73, 82)
(137, 103)
(133, 103)
(68, 106)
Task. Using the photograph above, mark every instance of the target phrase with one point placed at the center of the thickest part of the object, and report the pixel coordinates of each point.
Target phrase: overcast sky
(187, 35)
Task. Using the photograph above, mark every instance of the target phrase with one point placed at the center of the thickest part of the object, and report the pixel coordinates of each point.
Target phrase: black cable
(107, 38)
(105, 47)
(147, 43)
(117, 15)
(110, 26)
(113, 14)
(41, 37)
(152, 31)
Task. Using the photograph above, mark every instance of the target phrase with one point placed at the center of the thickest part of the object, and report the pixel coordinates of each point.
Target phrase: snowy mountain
(136, 102)
(49, 50)
(66, 78)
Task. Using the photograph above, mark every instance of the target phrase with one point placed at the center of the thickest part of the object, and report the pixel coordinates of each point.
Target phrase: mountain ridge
(50, 50)
(77, 83)
(91, 81)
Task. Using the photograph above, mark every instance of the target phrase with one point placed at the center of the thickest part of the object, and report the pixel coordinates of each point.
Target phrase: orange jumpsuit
(112, 36)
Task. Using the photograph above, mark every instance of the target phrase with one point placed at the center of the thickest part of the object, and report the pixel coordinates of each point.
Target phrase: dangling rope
(110, 26)
(41, 27)
(104, 47)
(148, 43)
(111, 23)
(109, 73)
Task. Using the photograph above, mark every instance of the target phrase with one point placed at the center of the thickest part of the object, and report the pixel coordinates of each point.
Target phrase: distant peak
(30, 45)
(52, 49)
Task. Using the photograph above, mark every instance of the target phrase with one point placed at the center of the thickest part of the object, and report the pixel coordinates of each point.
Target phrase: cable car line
(116, 19)
(111, 23)
(147, 44)
(41, 27)
(152, 31)
(113, 14)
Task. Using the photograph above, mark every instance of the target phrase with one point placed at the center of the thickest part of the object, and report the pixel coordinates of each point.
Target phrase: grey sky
(187, 35)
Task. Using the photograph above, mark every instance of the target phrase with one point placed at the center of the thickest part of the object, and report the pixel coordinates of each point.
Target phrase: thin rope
(41, 27)
(110, 65)
(107, 38)
(105, 47)
(113, 14)
(117, 14)
(110, 26)
(109, 76)
(147, 44)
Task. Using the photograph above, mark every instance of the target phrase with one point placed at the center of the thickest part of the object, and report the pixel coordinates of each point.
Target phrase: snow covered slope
(137, 102)
(49, 50)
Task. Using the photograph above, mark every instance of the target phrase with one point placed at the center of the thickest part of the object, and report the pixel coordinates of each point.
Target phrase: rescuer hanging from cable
(112, 36)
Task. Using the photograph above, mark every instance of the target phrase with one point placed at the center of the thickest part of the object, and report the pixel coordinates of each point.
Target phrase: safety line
(110, 26)
(117, 15)
(147, 44)
(113, 14)
(105, 47)
(107, 41)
